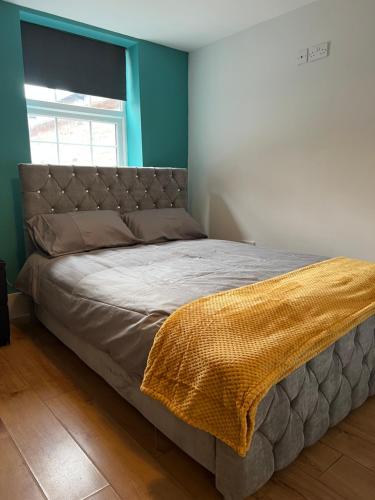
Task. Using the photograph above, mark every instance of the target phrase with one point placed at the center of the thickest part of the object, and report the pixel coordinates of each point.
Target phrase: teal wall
(156, 112)
(14, 138)
(164, 73)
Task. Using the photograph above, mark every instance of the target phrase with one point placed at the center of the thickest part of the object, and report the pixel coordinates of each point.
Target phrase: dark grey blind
(60, 60)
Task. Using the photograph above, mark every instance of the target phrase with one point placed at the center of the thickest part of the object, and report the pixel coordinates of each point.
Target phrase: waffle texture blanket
(214, 359)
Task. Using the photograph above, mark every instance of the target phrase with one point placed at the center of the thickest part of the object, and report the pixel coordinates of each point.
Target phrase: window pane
(74, 155)
(42, 128)
(39, 93)
(103, 134)
(43, 152)
(66, 97)
(73, 131)
(104, 157)
(105, 103)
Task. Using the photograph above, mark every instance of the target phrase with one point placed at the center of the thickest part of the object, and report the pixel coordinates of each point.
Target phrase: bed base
(294, 414)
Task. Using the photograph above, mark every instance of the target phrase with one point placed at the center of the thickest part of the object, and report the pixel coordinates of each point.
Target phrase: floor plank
(353, 446)
(61, 468)
(350, 480)
(94, 388)
(37, 370)
(131, 471)
(363, 419)
(16, 480)
(310, 488)
(106, 493)
(356, 431)
(275, 490)
(318, 458)
(10, 381)
(196, 479)
(116, 445)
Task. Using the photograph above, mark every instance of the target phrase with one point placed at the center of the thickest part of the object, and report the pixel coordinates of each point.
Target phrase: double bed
(108, 304)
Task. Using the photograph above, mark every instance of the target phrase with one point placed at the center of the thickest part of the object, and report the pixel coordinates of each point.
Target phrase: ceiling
(185, 25)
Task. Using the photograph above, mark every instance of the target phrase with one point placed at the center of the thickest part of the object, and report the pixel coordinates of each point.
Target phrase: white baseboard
(250, 242)
(19, 305)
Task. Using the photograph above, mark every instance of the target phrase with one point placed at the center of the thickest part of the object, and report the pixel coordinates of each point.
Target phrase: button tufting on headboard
(66, 188)
(58, 188)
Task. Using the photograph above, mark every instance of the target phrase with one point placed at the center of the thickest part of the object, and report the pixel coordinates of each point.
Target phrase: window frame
(59, 110)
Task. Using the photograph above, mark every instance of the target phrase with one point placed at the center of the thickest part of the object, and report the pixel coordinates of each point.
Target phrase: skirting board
(249, 242)
(19, 305)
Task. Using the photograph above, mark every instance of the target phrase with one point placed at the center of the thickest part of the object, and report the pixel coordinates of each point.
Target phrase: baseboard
(19, 305)
(250, 242)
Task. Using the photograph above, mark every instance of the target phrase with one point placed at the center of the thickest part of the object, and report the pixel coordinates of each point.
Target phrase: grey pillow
(74, 232)
(163, 224)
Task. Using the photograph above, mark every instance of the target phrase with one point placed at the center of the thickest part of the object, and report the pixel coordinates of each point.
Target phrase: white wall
(285, 154)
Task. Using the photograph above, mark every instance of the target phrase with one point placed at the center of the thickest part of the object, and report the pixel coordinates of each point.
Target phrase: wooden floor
(65, 434)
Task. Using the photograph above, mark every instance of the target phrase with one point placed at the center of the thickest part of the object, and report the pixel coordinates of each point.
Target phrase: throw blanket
(214, 359)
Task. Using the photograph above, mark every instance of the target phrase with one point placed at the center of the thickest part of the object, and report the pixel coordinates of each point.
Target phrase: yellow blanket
(213, 360)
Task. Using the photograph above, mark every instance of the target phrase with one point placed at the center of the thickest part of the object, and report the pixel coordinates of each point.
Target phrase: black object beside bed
(4, 312)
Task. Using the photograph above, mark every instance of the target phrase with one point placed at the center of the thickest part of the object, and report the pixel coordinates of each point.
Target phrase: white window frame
(58, 110)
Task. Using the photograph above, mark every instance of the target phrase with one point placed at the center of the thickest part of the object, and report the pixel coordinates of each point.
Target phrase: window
(68, 128)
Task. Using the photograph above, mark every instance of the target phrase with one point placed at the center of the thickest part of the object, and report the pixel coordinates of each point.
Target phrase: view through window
(67, 128)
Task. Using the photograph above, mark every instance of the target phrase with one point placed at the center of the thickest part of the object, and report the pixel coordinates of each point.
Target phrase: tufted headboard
(58, 189)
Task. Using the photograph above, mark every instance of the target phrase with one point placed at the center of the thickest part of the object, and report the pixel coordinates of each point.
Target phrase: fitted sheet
(116, 299)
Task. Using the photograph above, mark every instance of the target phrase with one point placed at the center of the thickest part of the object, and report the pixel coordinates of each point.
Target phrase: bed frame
(294, 414)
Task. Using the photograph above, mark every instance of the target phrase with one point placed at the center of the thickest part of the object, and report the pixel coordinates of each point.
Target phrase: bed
(107, 305)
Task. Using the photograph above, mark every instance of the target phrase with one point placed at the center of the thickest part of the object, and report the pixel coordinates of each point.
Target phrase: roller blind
(60, 60)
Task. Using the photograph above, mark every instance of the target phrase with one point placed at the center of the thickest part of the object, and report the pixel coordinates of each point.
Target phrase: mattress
(113, 302)
(116, 299)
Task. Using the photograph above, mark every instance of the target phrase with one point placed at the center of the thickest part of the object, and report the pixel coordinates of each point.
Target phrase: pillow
(74, 232)
(163, 224)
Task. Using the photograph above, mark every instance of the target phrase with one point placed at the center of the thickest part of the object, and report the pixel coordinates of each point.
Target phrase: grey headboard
(58, 189)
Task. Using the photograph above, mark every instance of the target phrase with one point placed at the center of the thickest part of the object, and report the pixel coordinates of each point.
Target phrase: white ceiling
(185, 25)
